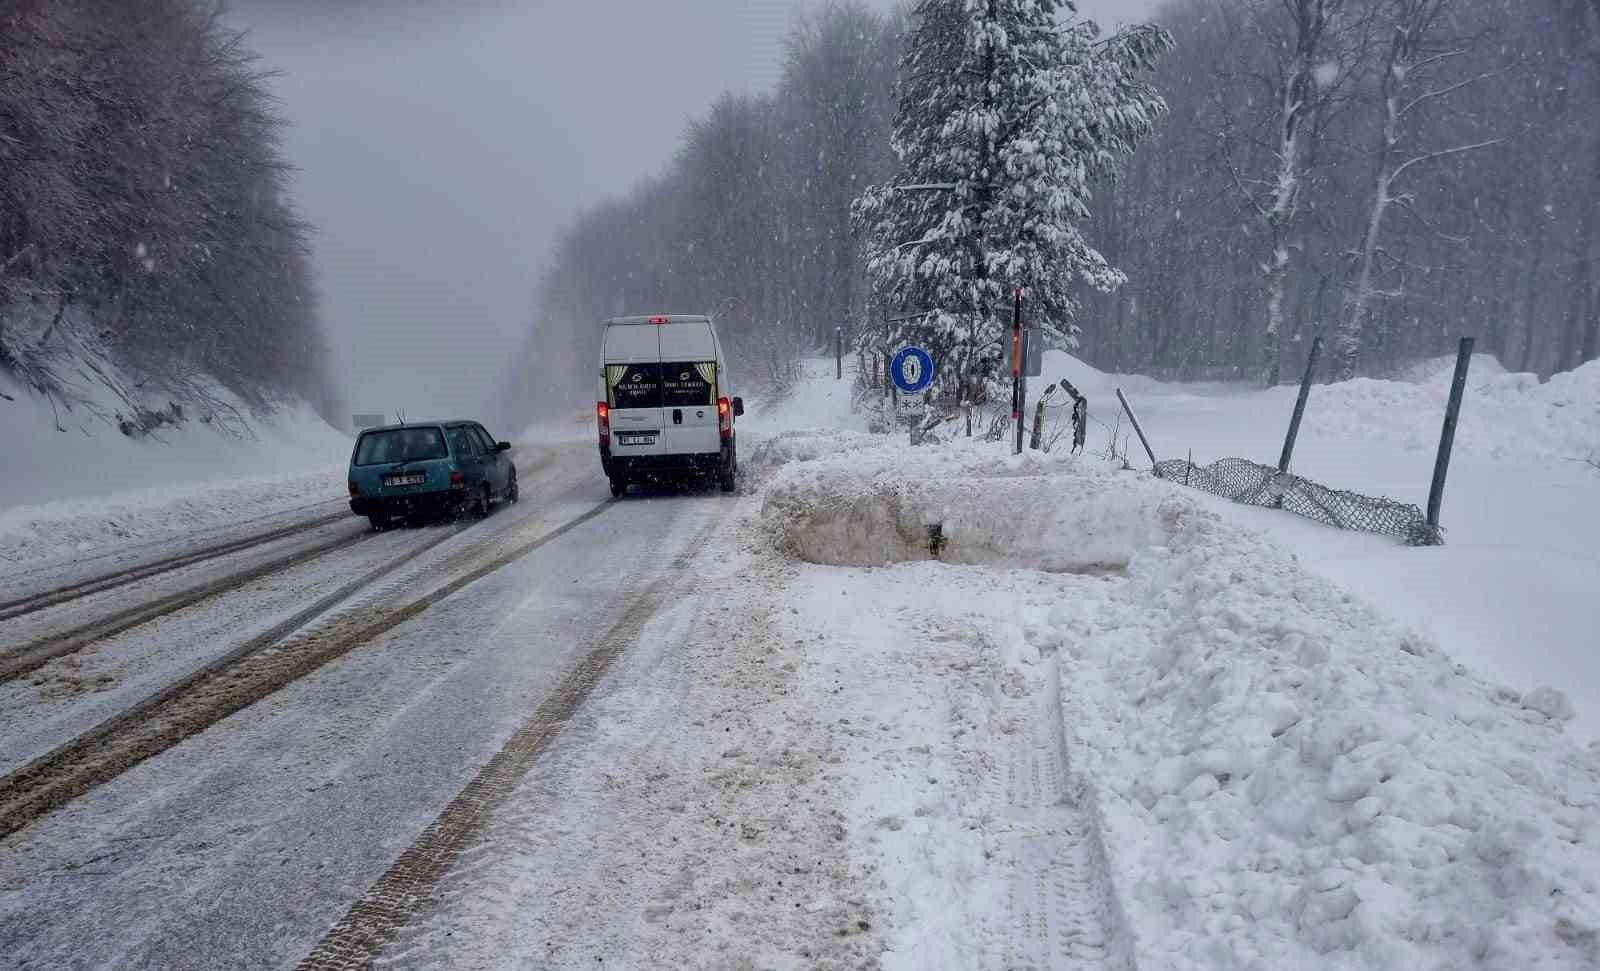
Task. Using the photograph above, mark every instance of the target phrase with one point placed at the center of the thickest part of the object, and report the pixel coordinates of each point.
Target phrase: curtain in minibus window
(634, 385)
(690, 384)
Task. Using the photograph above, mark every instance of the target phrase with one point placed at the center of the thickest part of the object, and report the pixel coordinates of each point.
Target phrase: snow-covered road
(243, 844)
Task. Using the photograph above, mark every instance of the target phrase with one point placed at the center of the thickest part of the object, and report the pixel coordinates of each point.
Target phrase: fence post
(1142, 440)
(1447, 438)
(1299, 407)
(1016, 367)
(838, 353)
(1036, 442)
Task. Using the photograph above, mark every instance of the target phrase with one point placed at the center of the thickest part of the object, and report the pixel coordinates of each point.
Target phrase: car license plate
(416, 478)
(645, 438)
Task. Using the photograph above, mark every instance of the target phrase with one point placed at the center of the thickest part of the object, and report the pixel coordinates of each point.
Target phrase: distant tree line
(1386, 174)
(750, 222)
(143, 209)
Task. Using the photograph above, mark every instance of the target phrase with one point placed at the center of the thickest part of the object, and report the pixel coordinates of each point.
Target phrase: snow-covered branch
(1431, 156)
(1451, 89)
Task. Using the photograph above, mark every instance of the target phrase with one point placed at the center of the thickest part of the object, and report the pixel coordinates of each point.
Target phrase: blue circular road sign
(911, 369)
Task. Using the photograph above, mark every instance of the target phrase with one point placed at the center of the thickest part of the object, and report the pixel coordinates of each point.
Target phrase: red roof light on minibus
(658, 319)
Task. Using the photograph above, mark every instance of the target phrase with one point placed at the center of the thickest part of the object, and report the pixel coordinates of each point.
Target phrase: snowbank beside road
(73, 482)
(1504, 416)
(1281, 777)
(891, 505)
(1293, 781)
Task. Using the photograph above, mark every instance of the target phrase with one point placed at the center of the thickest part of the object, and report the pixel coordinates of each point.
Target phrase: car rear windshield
(691, 384)
(400, 445)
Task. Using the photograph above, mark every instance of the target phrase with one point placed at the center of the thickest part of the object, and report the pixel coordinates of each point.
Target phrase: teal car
(429, 469)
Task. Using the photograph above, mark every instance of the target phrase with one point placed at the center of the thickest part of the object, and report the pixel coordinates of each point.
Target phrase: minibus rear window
(691, 384)
(634, 385)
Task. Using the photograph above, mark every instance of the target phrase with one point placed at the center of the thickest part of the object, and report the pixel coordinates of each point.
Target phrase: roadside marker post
(1016, 365)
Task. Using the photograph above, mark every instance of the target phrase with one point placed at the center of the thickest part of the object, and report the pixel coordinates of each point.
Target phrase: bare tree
(1308, 33)
(1407, 85)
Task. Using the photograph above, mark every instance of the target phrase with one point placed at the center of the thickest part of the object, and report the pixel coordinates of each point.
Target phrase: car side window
(462, 442)
(484, 441)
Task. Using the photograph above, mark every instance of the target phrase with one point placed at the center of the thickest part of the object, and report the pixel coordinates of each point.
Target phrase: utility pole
(838, 353)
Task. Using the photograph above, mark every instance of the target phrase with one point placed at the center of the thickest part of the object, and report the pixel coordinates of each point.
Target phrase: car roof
(661, 319)
(433, 423)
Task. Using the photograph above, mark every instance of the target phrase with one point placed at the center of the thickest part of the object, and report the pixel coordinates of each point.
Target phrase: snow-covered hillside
(74, 482)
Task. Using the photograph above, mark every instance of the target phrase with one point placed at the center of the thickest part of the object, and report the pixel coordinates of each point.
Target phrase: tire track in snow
(409, 884)
(251, 672)
(1058, 898)
(27, 658)
(22, 606)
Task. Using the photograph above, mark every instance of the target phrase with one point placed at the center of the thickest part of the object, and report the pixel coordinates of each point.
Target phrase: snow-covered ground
(74, 483)
(1125, 726)
(1511, 592)
(1117, 724)
(1114, 723)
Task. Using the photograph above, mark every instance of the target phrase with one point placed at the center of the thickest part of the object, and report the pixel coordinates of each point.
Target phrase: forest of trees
(1394, 173)
(750, 222)
(143, 212)
(1386, 174)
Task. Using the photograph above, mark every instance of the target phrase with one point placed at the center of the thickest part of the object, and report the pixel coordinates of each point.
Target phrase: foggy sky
(443, 144)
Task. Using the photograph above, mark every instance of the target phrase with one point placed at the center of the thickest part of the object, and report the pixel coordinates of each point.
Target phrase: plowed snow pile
(1269, 773)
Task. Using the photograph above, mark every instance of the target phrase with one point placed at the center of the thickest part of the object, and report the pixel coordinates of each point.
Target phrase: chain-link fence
(1262, 485)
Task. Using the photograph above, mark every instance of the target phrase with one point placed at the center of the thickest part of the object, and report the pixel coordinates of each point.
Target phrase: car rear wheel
(511, 490)
(379, 523)
(485, 505)
(618, 487)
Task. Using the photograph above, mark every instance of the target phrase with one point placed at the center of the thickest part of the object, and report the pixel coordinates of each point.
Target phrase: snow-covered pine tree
(1010, 112)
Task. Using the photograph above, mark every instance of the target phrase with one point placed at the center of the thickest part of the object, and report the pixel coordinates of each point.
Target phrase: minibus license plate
(637, 438)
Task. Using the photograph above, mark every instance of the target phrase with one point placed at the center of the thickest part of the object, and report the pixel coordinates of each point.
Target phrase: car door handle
(677, 416)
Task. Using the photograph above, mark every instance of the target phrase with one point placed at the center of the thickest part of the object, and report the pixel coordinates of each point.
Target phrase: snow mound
(1281, 776)
(1290, 780)
(1504, 415)
(1089, 523)
(804, 446)
(1442, 369)
(1293, 781)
